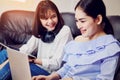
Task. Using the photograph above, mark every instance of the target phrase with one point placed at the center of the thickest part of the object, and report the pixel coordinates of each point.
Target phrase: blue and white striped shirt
(92, 60)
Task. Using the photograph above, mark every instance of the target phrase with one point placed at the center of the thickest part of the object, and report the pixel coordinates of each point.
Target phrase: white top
(50, 53)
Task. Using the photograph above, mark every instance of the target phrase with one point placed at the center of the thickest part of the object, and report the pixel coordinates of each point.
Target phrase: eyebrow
(79, 19)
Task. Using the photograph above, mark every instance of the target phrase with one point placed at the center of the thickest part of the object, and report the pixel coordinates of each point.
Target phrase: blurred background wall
(113, 7)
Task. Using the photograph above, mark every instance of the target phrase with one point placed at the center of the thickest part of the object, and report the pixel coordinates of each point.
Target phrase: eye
(44, 18)
(76, 20)
(82, 21)
(54, 16)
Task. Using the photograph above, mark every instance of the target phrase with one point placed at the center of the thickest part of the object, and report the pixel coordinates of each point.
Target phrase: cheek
(43, 22)
(77, 25)
(56, 20)
(92, 30)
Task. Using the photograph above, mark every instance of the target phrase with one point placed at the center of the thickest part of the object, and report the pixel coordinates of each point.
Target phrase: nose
(50, 20)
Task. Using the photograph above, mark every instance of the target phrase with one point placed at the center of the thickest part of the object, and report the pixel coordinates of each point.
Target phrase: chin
(51, 29)
(85, 36)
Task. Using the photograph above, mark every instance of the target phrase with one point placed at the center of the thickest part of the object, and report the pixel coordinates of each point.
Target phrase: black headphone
(48, 37)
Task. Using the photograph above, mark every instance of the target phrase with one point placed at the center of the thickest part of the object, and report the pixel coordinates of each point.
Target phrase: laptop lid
(19, 65)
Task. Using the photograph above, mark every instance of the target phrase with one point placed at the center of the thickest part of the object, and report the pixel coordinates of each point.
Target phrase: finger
(31, 60)
(38, 78)
(33, 78)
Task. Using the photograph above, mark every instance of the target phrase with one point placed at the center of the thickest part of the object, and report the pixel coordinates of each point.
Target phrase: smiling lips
(51, 25)
(83, 31)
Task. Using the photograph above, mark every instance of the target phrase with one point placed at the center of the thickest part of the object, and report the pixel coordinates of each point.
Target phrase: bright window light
(20, 0)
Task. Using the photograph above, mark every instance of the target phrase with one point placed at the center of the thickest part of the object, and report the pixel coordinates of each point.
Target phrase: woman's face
(50, 21)
(87, 25)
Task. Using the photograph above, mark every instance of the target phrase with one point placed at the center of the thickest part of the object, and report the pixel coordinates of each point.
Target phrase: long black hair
(94, 8)
(38, 30)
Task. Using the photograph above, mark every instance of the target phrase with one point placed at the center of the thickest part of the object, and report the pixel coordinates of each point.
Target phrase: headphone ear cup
(49, 37)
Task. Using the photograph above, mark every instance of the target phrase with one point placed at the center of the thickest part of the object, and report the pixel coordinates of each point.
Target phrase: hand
(36, 61)
(41, 77)
(31, 60)
(31, 56)
(67, 79)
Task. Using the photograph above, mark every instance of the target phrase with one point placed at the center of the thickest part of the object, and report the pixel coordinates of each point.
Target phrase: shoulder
(65, 28)
(33, 38)
(64, 31)
(81, 39)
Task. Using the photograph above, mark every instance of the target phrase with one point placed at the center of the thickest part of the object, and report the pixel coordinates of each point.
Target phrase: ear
(99, 19)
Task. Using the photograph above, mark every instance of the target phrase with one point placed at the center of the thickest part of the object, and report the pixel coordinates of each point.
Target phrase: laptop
(19, 65)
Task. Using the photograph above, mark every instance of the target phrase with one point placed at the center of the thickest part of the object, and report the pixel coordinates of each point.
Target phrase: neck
(101, 33)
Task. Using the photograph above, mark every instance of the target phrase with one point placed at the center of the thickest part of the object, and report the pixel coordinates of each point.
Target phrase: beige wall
(113, 7)
(63, 5)
(13, 5)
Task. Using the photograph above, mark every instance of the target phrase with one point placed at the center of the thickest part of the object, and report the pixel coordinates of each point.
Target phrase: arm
(50, 77)
(53, 76)
(107, 70)
(30, 46)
